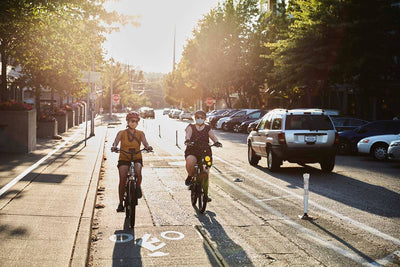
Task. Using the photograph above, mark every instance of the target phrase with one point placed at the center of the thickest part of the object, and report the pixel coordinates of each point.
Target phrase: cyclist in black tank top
(197, 134)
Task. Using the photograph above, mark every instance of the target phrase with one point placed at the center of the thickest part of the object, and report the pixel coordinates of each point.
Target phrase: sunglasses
(134, 121)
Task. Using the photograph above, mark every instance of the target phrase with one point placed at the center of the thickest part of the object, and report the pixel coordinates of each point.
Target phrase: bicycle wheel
(202, 199)
(132, 203)
(193, 194)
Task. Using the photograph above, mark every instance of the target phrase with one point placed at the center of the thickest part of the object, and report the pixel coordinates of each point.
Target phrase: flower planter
(84, 115)
(47, 129)
(71, 118)
(62, 121)
(77, 115)
(17, 131)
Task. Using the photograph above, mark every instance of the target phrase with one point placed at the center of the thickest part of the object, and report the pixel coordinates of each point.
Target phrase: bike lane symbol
(149, 243)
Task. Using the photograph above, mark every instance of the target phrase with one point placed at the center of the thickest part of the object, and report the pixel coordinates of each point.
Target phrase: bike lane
(168, 229)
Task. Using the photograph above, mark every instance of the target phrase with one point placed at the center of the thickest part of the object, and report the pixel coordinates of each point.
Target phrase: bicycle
(199, 185)
(130, 196)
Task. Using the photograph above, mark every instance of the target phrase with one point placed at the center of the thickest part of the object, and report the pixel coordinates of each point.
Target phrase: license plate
(310, 138)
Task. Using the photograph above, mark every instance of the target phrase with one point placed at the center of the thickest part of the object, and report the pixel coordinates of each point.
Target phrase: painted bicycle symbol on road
(151, 243)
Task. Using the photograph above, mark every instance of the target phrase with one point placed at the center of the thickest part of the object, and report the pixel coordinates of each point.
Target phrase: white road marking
(389, 258)
(34, 166)
(334, 213)
(180, 235)
(121, 238)
(273, 198)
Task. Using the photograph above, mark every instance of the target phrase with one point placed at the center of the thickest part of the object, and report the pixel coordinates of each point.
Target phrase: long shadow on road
(347, 190)
(232, 253)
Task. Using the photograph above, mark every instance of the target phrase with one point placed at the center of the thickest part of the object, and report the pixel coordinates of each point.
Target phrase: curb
(80, 251)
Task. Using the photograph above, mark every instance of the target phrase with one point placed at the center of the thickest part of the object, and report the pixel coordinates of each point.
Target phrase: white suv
(296, 135)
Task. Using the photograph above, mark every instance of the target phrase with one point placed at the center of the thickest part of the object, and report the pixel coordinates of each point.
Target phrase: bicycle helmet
(132, 115)
(200, 112)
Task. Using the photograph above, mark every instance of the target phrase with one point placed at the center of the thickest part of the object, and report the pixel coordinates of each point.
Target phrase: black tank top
(200, 138)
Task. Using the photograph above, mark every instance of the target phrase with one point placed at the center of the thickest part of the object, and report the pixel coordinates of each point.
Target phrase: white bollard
(306, 177)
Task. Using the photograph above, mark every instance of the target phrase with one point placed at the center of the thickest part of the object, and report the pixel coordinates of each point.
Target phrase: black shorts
(198, 153)
(128, 163)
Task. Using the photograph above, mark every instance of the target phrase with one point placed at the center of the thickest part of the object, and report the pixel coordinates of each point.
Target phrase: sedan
(347, 123)
(377, 146)
(185, 115)
(394, 150)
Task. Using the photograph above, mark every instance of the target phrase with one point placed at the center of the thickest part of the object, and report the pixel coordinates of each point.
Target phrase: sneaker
(188, 181)
(120, 207)
(139, 192)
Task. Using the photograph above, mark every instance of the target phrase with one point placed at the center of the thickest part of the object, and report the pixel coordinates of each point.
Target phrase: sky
(149, 47)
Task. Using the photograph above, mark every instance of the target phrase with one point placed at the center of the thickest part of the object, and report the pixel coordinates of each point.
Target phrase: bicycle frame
(131, 199)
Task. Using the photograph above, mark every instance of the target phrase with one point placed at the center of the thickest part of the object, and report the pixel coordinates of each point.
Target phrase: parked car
(237, 114)
(253, 125)
(185, 115)
(175, 113)
(394, 150)
(146, 112)
(233, 123)
(347, 123)
(245, 124)
(165, 111)
(348, 139)
(298, 136)
(377, 146)
(212, 119)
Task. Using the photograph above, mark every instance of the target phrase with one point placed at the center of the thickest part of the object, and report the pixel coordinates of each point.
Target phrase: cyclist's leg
(123, 173)
(206, 183)
(138, 173)
(190, 162)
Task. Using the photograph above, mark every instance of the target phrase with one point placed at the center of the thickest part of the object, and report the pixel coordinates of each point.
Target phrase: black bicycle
(200, 181)
(130, 196)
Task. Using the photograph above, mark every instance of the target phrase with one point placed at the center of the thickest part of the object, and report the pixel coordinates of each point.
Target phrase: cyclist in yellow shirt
(130, 138)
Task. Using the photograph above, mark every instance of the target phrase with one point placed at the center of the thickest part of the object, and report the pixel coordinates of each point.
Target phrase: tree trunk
(3, 83)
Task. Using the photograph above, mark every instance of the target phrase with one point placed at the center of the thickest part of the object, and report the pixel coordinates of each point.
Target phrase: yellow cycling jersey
(128, 141)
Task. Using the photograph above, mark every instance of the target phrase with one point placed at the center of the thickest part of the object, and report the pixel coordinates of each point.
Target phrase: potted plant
(70, 115)
(17, 127)
(47, 126)
(62, 120)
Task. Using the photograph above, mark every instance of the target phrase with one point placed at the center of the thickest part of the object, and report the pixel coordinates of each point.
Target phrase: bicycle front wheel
(132, 199)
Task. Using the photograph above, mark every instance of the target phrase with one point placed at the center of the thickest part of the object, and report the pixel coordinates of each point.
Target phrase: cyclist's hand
(114, 149)
(149, 148)
(217, 144)
(188, 142)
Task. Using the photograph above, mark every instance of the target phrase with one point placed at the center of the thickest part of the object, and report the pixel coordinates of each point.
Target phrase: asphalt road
(253, 219)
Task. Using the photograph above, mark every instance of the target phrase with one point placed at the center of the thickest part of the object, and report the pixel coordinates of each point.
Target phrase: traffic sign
(209, 101)
(116, 98)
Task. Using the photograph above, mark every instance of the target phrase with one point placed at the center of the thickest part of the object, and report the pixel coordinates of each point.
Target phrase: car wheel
(343, 147)
(379, 151)
(252, 157)
(236, 128)
(225, 127)
(328, 164)
(274, 163)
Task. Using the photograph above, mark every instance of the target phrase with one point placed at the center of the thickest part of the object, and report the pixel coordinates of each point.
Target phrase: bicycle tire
(193, 194)
(202, 200)
(132, 204)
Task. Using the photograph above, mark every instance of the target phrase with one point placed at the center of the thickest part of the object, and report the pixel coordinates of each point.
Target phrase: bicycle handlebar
(216, 144)
(132, 152)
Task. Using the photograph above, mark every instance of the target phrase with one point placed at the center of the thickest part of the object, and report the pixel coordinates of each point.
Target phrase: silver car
(297, 135)
(394, 150)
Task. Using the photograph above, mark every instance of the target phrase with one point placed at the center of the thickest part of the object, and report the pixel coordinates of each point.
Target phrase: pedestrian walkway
(45, 217)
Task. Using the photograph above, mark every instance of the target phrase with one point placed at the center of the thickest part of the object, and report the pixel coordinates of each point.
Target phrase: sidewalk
(45, 218)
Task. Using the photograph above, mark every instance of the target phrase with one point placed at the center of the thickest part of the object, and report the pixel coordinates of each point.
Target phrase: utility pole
(91, 106)
(111, 89)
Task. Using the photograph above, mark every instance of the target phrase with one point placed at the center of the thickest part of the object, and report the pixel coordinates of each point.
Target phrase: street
(253, 219)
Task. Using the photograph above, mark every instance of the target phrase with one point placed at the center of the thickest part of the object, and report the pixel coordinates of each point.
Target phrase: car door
(256, 142)
(263, 133)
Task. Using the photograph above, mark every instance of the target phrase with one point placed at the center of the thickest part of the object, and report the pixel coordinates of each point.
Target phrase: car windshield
(308, 122)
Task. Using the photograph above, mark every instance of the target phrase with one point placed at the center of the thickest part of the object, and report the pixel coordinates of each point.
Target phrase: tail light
(336, 138)
(281, 138)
